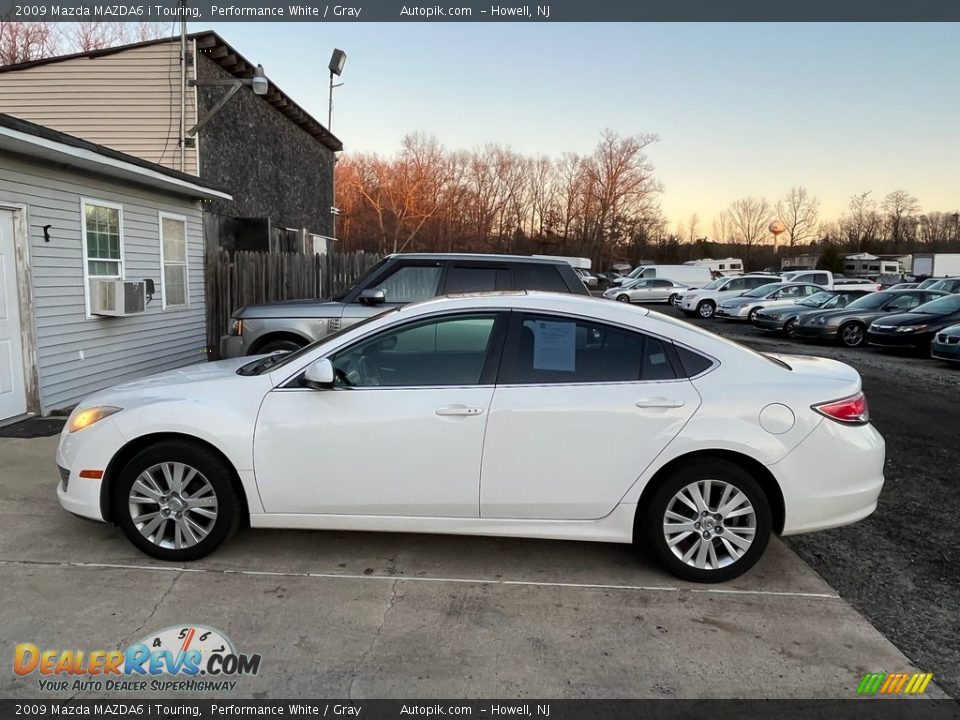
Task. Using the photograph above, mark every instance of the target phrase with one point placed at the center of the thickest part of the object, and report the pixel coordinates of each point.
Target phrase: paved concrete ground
(384, 615)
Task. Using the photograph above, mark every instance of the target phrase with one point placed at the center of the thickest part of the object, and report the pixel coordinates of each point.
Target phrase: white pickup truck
(826, 279)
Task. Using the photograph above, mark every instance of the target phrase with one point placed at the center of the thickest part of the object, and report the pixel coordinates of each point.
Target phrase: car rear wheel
(709, 522)
(673, 299)
(706, 309)
(176, 501)
(623, 298)
(851, 334)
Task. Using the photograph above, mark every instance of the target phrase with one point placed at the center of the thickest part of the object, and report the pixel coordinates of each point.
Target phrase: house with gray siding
(145, 99)
(85, 231)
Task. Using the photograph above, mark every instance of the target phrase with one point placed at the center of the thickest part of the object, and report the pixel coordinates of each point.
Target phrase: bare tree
(861, 223)
(721, 227)
(749, 218)
(692, 228)
(901, 208)
(798, 212)
(26, 41)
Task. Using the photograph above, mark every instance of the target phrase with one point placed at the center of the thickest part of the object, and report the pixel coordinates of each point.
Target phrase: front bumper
(731, 313)
(832, 478)
(945, 349)
(894, 340)
(814, 332)
(767, 323)
(89, 449)
(232, 346)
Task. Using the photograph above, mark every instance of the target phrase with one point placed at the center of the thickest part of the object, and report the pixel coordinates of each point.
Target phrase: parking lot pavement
(384, 615)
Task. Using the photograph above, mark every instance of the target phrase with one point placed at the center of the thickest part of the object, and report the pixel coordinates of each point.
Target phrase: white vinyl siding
(128, 101)
(117, 349)
(173, 259)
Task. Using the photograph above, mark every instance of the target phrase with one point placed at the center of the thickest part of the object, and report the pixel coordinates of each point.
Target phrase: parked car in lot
(703, 301)
(395, 280)
(640, 291)
(690, 275)
(469, 415)
(826, 279)
(946, 345)
(745, 306)
(915, 329)
(588, 278)
(903, 286)
(782, 318)
(950, 285)
(849, 325)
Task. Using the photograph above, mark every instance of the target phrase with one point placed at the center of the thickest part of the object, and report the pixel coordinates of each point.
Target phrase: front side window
(102, 238)
(564, 350)
(173, 257)
(447, 351)
(410, 283)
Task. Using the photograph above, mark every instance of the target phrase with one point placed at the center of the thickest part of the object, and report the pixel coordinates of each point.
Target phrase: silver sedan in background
(650, 290)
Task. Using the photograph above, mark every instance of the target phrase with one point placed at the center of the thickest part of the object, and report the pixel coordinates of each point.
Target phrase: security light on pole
(337, 61)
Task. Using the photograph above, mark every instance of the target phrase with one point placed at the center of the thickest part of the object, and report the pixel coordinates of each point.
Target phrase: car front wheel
(176, 501)
(706, 309)
(852, 334)
(709, 522)
(623, 298)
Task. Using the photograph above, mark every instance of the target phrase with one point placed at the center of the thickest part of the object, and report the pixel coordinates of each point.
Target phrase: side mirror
(319, 375)
(373, 297)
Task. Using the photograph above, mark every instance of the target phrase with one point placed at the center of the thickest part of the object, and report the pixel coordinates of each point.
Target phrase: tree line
(27, 41)
(604, 205)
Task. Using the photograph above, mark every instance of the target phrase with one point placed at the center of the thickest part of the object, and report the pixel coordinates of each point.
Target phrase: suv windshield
(871, 301)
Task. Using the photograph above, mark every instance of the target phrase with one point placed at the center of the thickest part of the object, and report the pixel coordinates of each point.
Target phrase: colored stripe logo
(894, 683)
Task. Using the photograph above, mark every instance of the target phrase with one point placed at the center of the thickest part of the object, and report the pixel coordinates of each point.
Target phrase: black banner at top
(201, 11)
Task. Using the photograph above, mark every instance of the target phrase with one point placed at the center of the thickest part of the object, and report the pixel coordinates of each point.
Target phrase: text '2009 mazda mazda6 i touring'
(518, 414)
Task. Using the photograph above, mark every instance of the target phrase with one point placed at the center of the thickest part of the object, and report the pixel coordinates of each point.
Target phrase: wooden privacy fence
(248, 278)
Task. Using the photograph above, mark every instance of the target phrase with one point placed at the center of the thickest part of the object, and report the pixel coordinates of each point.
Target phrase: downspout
(183, 90)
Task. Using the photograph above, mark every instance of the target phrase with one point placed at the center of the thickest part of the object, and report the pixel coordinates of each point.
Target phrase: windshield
(941, 306)
(715, 284)
(362, 279)
(871, 301)
(636, 272)
(927, 283)
(763, 290)
(820, 298)
(280, 359)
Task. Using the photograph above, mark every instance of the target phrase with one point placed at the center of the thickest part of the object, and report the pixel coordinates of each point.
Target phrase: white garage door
(13, 395)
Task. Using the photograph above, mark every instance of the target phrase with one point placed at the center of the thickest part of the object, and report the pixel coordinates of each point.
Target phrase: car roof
(482, 257)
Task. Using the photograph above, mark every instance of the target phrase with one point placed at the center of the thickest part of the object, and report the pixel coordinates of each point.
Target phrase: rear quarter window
(539, 277)
(693, 363)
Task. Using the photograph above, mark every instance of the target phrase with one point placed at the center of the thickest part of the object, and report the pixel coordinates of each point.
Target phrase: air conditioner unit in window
(116, 298)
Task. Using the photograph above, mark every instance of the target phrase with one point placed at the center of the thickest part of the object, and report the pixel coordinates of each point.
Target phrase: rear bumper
(832, 478)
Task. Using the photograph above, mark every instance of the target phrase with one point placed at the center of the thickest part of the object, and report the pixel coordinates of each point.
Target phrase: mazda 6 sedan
(527, 415)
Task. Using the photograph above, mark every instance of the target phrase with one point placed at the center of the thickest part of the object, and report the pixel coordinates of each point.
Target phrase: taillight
(852, 410)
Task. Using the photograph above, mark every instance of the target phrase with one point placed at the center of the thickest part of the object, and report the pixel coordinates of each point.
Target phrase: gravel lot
(901, 566)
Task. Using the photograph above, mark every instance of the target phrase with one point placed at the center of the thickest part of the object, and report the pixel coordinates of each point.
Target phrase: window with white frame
(173, 258)
(103, 239)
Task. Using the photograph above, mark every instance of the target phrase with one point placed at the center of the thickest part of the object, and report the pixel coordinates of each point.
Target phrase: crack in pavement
(153, 612)
(373, 641)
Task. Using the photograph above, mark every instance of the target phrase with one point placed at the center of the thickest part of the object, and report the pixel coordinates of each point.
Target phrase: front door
(580, 410)
(13, 392)
(401, 433)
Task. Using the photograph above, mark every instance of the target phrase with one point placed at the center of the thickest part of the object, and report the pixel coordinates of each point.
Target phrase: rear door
(581, 408)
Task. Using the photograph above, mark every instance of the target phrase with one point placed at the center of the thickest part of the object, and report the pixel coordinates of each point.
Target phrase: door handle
(659, 402)
(458, 410)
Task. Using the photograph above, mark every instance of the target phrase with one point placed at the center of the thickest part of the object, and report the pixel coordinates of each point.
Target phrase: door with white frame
(13, 391)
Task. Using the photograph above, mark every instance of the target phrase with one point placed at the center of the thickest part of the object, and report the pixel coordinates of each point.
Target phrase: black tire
(716, 469)
(623, 298)
(788, 327)
(852, 334)
(283, 344)
(751, 315)
(706, 309)
(672, 300)
(210, 467)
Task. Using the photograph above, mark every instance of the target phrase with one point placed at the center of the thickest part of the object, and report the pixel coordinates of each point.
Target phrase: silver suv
(395, 280)
(703, 301)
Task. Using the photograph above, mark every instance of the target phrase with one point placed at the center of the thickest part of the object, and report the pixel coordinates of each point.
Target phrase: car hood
(318, 308)
(783, 310)
(915, 318)
(741, 301)
(838, 315)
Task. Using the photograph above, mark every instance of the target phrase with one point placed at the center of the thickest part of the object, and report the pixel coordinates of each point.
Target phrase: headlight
(88, 416)
(911, 328)
(236, 327)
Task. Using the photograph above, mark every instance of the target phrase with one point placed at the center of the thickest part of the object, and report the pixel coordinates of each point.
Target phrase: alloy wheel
(705, 309)
(851, 335)
(709, 524)
(173, 505)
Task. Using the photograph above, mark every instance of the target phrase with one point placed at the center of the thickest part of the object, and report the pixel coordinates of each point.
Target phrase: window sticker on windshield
(554, 345)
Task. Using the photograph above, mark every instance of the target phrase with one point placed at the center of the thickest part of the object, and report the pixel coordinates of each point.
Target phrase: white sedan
(649, 290)
(515, 414)
(744, 307)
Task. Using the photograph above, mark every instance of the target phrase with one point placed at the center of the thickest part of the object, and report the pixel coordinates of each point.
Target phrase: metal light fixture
(259, 83)
(337, 61)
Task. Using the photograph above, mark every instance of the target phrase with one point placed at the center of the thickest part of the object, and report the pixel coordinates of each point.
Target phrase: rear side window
(693, 363)
(564, 350)
(466, 279)
(753, 283)
(536, 276)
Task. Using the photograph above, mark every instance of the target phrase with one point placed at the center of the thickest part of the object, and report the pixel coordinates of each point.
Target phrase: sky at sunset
(741, 109)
